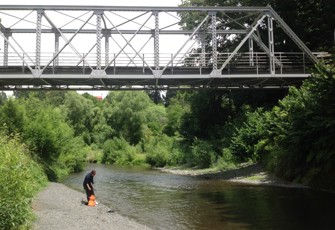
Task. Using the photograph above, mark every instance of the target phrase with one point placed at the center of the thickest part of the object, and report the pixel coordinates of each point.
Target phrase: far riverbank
(246, 173)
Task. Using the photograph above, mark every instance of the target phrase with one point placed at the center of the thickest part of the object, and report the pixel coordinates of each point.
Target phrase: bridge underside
(123, 78)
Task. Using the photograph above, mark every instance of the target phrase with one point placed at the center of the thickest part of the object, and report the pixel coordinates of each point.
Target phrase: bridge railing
(255, 62)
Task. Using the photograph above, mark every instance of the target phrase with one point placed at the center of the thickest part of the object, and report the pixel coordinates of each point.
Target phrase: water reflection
(166, 201)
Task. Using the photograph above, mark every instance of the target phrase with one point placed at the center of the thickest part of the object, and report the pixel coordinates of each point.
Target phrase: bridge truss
(70, 54)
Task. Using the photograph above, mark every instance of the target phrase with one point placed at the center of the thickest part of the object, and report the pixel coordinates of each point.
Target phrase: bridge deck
(14, 77)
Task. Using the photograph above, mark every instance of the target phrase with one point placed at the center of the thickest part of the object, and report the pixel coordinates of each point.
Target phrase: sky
(95, 3)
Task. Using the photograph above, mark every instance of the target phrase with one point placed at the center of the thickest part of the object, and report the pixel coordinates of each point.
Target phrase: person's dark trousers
(88, 193)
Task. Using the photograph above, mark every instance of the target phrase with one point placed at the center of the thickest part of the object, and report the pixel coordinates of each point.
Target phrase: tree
(126, 114)
(79, 111)
(312, 20)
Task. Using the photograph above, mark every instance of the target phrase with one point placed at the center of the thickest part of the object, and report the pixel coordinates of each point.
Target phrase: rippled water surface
(166, 201)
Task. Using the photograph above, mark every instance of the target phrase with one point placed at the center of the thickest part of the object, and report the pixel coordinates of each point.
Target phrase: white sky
(94, 2)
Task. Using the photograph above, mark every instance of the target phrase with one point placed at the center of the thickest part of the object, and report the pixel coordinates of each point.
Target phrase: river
(167, 201)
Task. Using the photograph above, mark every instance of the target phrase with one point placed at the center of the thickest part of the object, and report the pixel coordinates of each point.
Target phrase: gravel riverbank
(59, 207)
(246, 174)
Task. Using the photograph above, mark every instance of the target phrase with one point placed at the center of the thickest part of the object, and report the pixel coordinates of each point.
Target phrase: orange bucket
(91, 202)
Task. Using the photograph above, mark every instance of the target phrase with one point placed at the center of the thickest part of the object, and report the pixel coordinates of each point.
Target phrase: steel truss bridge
(69, 51)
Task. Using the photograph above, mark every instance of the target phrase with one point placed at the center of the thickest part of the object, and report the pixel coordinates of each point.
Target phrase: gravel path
(59, 207)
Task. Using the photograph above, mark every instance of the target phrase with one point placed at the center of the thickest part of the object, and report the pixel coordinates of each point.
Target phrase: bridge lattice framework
(187, 67)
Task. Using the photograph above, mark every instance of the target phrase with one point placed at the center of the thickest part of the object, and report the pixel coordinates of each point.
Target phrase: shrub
(161, 151)
(203, 155)
(20, 180)
(118, 151)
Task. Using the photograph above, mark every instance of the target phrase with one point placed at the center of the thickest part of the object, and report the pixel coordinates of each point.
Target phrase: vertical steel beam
(214, 40)
(98, 33)
(5, 51)
(156, 40)
(57, 35)
(203, 49)
(271, 45)
(106, 49)
(251, 52)
(38, 39)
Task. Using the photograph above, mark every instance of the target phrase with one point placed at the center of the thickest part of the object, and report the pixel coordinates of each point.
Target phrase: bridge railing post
(281, 66)
(257, 64)
(23, 63)
(303, 61)
(143, 64)
(114, 70)
(84, 63)
(172, 64)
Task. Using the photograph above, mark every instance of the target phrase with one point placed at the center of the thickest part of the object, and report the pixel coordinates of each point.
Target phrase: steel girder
(39, 67)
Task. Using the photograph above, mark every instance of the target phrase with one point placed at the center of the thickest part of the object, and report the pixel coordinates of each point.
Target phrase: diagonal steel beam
(130, 20)
(18, 54)
(21, 19)
(123, 51)
(131, 61)
(190, 37)
(68, 42)
(187, 52)
(73, 18)
(252, 30)
(292, 35)
(128, 42)
(257, 39)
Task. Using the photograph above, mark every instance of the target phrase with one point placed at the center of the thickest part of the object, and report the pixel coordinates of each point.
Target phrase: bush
(244, 142)
(303, 128)
(226, 161)
(203, 155)
(161, 151)
(118, 151)
(20, 180)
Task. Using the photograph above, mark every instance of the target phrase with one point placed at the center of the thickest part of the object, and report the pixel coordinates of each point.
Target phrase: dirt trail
(59, 207)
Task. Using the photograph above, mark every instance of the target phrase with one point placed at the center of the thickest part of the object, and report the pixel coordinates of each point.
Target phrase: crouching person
(88, 184)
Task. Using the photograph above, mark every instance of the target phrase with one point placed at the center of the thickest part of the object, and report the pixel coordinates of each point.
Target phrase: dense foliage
(302, 143)
(46, 135)
(21, 178)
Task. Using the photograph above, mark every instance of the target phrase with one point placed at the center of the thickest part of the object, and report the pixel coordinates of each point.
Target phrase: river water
(166, 201)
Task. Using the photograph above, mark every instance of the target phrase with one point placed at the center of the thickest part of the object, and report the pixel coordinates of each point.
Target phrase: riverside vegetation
(46, 135)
